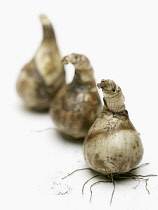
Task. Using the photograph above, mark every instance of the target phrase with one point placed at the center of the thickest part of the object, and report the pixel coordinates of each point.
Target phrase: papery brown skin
(41, 79)
(77, 104)
(112, 144)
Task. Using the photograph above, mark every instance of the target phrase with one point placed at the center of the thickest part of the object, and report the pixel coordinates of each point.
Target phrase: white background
(121, 40)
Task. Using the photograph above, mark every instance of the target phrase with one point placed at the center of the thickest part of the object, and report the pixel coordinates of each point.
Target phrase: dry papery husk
(77, 105)
(113, 147)
(41, 78)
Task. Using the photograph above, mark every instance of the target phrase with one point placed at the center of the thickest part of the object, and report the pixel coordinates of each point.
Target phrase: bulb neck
(48, 33)
(84, 76)
(114, 103)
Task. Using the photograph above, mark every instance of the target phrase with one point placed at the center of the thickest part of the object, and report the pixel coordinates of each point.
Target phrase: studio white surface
(121, 40)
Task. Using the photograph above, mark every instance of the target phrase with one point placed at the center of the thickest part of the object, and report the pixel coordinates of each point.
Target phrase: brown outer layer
(76, 107)
(33, 90)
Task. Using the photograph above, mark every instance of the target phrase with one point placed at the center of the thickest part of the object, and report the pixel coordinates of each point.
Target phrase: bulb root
(45, 129)
(89, 180)
(113, 178)
(76, 171)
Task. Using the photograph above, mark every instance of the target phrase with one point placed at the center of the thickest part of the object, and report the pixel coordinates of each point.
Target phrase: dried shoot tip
(78, 60)
(112, 94)
(107, 85)
(44, 20)
(72, 58)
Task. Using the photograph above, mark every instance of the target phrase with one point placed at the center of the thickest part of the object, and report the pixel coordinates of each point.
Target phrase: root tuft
(113, 178)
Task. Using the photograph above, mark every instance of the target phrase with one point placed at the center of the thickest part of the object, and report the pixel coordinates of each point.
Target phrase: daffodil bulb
(41, 78)
(112, 144)
(77, 105)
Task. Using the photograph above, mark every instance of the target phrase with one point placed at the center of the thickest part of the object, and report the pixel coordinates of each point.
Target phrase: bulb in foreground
(41, 78)
(112, 144)
(77, 105)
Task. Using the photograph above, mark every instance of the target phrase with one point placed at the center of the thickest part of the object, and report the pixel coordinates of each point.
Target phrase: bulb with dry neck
(42, 77)
(77, 104)
(112, 145)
